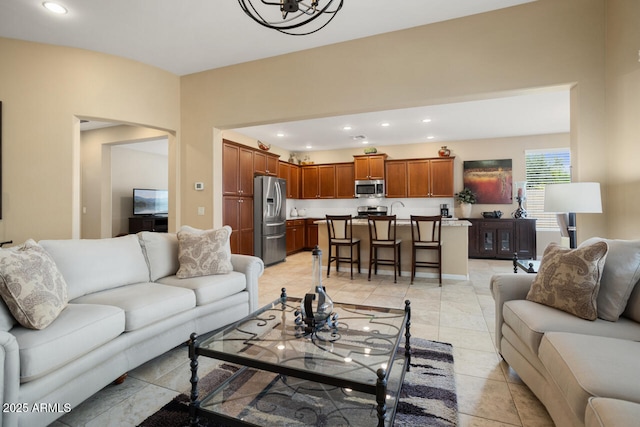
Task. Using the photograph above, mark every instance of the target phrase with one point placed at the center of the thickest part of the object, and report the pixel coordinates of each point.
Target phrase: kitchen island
(455, 242)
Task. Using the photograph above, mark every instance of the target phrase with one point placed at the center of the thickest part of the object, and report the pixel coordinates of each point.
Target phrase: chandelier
(292, 14)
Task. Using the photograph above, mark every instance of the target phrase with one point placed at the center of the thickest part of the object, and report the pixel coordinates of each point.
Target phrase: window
(544, 167)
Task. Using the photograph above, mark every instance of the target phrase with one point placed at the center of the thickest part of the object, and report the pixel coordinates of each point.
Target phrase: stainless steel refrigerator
(269, 219)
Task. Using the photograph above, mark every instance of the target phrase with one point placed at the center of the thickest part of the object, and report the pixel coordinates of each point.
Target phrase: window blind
(552, 166)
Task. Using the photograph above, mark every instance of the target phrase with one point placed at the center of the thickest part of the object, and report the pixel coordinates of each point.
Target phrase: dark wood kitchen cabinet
(237, 170)
(295, 235)
(501, 238)
(345, 181)
(396, 181)
(265, 164)
(238, 214)
(430, 177)
(369, 166)
(310, 233)
(318, 182)
(290, 173)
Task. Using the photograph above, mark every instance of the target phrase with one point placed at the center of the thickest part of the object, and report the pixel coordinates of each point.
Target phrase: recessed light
(280, 134)
(430, 137)
(346, 128)
(365, 142)
(426, 121)
(55, 7)
(384, 125)
(309, 146)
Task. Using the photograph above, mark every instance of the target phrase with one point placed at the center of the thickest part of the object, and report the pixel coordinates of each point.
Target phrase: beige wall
(545, 43)
(542, 44)
(44, 89)
(623, 113)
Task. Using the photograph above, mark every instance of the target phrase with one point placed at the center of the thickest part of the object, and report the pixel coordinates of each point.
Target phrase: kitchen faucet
(397, 201)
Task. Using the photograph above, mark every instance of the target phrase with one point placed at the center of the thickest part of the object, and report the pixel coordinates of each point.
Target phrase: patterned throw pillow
(569, 279)
(204, 252)
(31, 285)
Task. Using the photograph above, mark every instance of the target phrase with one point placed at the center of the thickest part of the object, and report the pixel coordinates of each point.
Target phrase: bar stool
(340, 233)
(425, 235)
(382, 234)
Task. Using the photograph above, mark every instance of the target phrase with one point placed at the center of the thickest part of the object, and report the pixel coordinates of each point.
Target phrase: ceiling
(185, 37)
(531, 114)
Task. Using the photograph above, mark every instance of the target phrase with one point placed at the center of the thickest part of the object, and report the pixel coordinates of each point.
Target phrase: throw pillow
(619, 277)
(569, 279)
(204, 252)
(31, 285)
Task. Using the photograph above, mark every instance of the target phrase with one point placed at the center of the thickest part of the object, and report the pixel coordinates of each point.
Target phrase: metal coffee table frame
(264, 323)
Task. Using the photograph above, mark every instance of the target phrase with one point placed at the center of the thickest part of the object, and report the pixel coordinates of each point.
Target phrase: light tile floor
(490, 394)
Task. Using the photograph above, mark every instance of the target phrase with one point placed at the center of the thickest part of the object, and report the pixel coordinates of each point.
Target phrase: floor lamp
(568, 199)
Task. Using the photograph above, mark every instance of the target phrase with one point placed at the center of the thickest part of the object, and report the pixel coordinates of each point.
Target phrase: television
(150, 202)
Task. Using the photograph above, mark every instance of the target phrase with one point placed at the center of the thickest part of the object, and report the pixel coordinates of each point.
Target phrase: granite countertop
(447, 222)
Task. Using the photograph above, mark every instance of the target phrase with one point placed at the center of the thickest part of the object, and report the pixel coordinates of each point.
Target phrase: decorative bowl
(492, 214)
(370, 150)
(264, 146)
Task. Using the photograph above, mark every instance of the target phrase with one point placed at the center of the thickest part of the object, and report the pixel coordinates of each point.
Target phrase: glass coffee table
(528, 265)
(348, 375)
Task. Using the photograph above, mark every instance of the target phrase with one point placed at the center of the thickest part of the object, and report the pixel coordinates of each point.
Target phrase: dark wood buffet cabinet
(501, 238)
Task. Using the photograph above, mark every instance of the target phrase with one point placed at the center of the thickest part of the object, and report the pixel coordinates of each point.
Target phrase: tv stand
(158, 224)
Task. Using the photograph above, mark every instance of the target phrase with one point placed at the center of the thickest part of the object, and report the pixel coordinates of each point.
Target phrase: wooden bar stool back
(382, 235)
(340, 234)
(425, 235)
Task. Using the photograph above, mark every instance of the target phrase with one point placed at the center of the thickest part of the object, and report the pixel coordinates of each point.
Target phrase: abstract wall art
(490, 180)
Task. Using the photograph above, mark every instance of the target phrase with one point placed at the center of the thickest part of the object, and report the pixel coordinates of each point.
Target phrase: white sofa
(126, 307)
(585, 372)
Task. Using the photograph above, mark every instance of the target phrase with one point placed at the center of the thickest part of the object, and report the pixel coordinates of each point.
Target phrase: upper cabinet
(430, 177)
(345, 184)
(396, 181)
(369, 166)
(239, 165)
(419, 178)
(441, 177)
(291, 173)
(318, 182)
(237, 170)
(265, 164)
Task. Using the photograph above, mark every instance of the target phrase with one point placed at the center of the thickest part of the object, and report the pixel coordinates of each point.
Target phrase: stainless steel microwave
(369, 188)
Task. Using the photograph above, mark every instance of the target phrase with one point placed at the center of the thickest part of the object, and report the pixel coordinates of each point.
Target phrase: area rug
(428, 396)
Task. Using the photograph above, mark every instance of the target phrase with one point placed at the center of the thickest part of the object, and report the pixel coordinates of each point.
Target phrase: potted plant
(466, 198)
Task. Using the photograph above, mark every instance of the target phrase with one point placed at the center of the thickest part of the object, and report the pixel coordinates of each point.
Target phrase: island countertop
(455, 242)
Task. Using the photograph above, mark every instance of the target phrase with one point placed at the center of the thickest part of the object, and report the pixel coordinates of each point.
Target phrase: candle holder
(521, 195)
(316, 309)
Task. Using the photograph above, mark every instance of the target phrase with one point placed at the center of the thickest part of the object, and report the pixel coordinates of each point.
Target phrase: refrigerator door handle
(278, 236)
(279, 202)
(274, 224)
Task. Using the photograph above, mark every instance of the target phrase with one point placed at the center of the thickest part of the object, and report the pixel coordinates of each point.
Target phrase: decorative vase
(294, 212)
(316, 307)
(465, 210)
(444, 151)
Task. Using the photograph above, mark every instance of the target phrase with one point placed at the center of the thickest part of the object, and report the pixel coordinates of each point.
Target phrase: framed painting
(490, 180)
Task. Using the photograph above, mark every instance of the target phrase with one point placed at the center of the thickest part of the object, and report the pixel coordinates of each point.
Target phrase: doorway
(115, 158)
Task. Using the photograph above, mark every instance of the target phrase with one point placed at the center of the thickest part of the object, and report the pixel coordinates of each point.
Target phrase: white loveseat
(585, 372)
(126, 307)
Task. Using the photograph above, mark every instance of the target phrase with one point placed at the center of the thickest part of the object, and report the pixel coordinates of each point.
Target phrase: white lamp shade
(577, 197)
